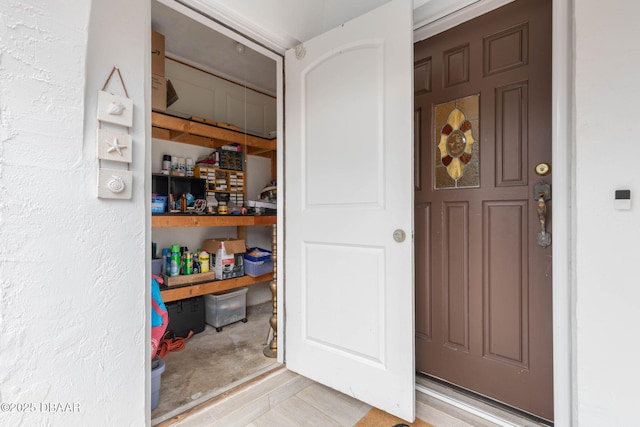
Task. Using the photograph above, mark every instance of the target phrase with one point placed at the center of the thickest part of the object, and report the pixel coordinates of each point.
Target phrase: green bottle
(188, 263)
(175, 261)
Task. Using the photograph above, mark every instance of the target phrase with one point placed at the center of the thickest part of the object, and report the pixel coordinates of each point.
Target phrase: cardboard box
(229, 256)
(157, 53)
(231, 245)
(158, 93)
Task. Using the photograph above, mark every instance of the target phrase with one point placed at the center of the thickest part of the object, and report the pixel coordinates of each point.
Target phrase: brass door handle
(542, 193)
(542, 214)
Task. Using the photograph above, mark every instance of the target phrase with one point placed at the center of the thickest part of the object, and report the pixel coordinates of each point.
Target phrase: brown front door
(483, 281)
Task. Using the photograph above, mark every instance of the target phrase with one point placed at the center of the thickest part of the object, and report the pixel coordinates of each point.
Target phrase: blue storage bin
(158, 204)
(265, 255)
(156, 381)
(257, 268)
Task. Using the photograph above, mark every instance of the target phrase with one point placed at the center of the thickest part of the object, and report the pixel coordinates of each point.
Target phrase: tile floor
(284, 399)
(204, 386)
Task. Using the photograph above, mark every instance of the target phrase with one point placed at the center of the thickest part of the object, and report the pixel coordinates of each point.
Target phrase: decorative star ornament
(115, 146)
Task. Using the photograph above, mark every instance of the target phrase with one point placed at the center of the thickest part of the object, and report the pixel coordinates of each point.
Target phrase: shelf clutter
(223, 258)
(217, 266)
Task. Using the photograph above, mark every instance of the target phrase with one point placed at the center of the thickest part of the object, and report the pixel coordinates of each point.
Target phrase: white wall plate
(114, 146)
(115, 109)
(114, 184)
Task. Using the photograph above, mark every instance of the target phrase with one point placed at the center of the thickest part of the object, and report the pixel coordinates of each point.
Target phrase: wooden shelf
(171, 128)
(176, 294)
(194, 220)
(205, 135)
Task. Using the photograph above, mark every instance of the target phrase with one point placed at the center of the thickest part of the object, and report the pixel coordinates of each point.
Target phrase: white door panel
(349, 185)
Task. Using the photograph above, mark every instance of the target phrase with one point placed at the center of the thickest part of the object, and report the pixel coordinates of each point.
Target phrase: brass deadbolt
(543, 169)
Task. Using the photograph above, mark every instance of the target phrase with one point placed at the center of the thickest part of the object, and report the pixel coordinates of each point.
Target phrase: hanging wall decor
(114, 144)
(456, 138)
(115, 109)
(114, 184)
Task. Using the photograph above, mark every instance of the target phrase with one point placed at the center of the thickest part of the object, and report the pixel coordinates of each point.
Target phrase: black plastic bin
(186, 315)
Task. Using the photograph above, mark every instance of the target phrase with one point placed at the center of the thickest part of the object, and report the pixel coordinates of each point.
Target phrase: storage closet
(220, 94)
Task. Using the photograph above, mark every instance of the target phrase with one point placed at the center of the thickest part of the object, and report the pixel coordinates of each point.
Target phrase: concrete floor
(213, 362)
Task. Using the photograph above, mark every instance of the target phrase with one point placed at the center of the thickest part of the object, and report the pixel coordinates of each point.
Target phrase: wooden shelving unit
(175, 294)
(202, 134)
(171, 128)
(194, 220)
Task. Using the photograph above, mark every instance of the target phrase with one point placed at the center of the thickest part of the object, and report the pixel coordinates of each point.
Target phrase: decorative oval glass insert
(456, 143)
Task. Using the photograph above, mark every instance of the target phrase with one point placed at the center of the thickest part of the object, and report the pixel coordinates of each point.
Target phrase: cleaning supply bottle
(175, 261)
(188, 263)
(204, 261)
(166, 257)
(196, 262)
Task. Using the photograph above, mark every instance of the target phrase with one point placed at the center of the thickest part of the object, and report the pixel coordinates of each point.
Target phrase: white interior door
(349, 187)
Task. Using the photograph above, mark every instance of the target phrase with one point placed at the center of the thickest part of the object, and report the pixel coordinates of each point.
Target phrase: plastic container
(189, 166)
(166, 257)
(182, 167)
(166, 164)
(156, 266)
(224, 308)
(257, 268)
(174, 261)
(186, 315)
(174, 165)
(203, 258)
(158, 203)
(257, 254)
(156, 378)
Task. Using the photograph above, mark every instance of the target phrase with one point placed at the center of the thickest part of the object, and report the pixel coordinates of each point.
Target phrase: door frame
(213, 19)
(563, 148)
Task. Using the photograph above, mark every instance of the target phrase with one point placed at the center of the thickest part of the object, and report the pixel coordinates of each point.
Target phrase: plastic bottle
(166, 265)
(182, 167)
(166, 164)
(174, 165)
(189, 165)
(204, 262)
(183, 203)
(175, 261)
(183, 249)
(196, 262)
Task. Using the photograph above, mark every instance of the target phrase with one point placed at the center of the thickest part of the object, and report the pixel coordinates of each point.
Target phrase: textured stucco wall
(72, 267)
(607, 153)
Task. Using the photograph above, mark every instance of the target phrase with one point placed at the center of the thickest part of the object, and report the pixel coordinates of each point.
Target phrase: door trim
(563, 149)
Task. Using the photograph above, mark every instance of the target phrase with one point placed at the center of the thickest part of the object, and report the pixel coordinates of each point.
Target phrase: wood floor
(282, 398)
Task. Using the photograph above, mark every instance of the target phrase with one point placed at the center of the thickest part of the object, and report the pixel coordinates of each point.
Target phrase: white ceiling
(202, 47)
(277, 24)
